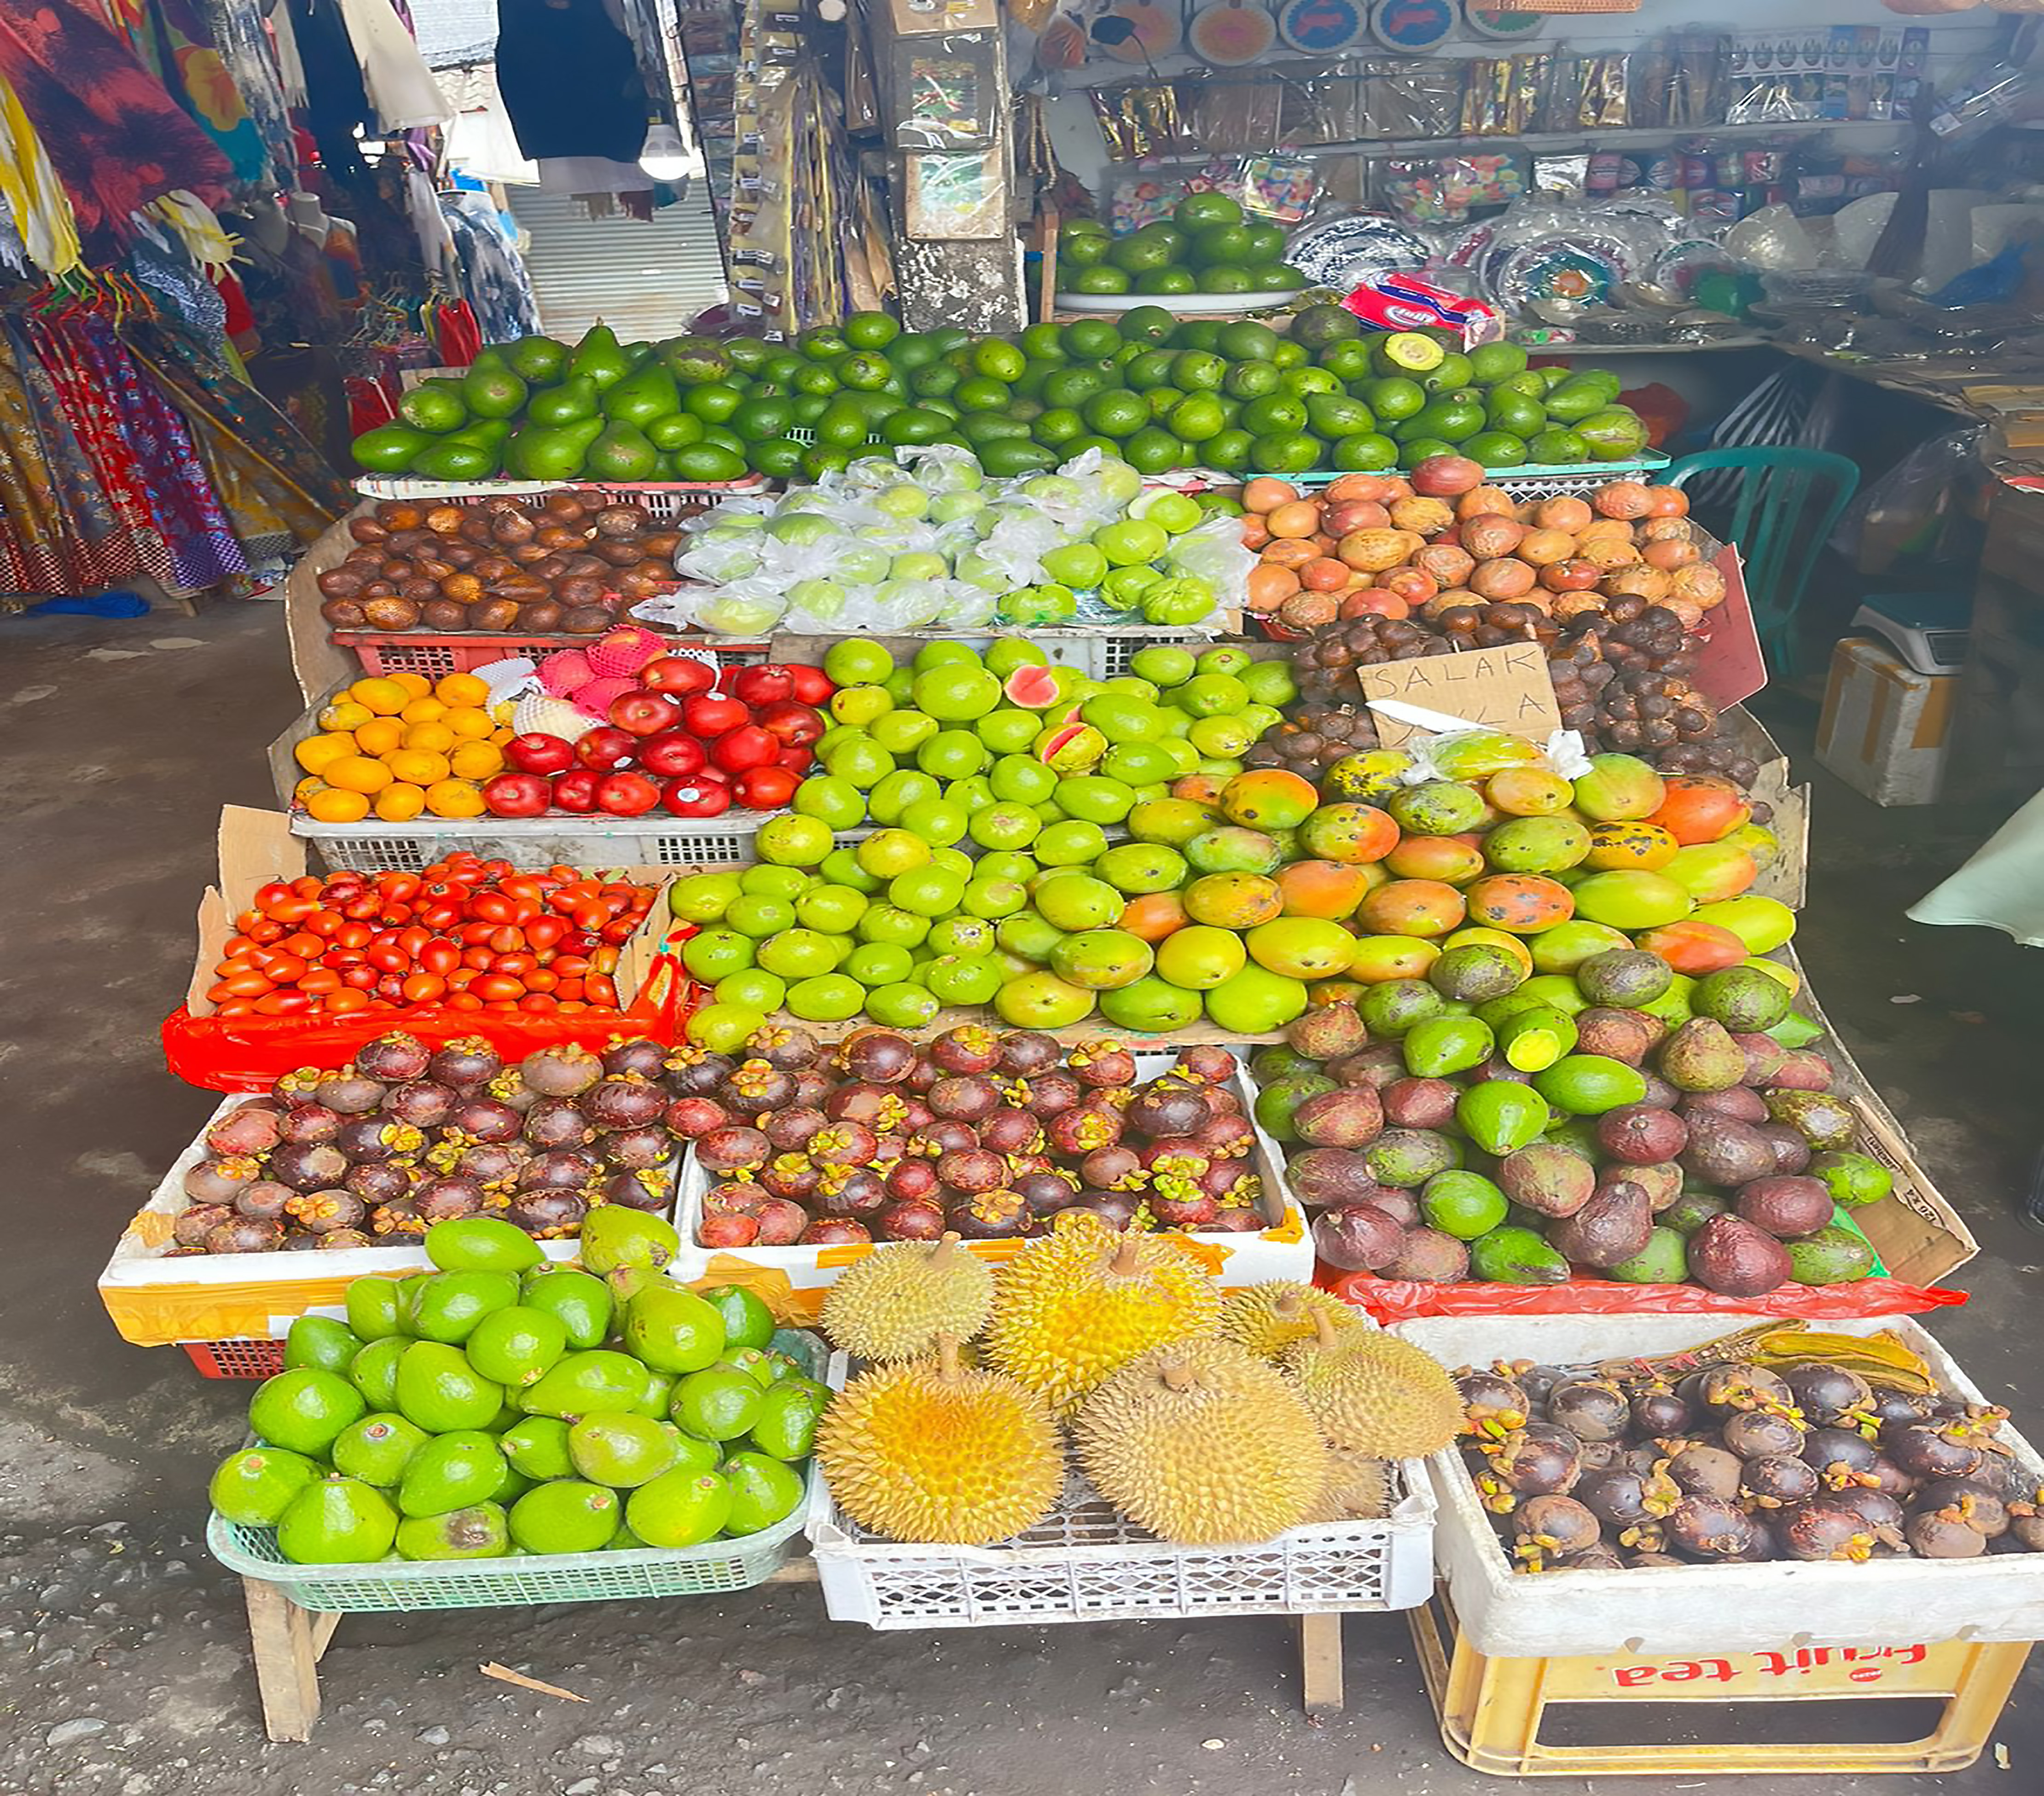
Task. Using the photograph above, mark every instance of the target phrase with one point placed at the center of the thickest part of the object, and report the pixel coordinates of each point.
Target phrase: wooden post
(1320, 1663)
(287, 1642)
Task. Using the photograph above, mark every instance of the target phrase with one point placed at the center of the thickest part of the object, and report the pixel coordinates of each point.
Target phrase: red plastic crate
(430, 656)
(236, 1359)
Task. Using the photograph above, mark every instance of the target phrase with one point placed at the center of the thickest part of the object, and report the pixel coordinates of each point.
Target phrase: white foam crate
(1283, 1250)
(1086, 1563)
(154, 1300)
(1660, 1612)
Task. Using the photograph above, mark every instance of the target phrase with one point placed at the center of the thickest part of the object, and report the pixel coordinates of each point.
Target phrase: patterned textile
(42, 549)
(493, 276)
(177, 42)
(237, 28)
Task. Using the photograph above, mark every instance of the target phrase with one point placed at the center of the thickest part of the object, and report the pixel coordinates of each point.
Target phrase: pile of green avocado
(1156, 391)
(500, 1405)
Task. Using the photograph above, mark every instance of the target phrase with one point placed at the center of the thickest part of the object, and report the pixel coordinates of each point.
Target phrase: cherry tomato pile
(466, 934)
(687, 738)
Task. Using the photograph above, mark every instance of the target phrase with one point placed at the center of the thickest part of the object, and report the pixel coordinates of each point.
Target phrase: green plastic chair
(1787, 501)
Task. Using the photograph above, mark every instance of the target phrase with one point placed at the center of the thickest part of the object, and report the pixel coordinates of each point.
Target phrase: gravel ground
(124, 1667)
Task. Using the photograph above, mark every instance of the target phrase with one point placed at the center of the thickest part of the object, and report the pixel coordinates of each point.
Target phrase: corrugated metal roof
(645, 280)
(454, 29)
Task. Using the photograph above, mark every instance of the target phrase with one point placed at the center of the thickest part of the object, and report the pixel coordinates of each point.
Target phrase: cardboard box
(1885, 727)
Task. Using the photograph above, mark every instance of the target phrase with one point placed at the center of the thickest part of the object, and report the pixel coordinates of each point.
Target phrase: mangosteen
(245, 1130)
(909, 1219)
(550, 1215)
(443, 1200)
(1624, 1498)
(1538, 1382)
(1841, 1456)
(1942, 1534)
(561, 1169)
(790, 1175)
(1773, 1480)
(306, 1168)
(691, 1117)
(378, 1138)
(789, 1131)
(1115, 1168)
(1009, 1130)
(783, 1045)
(844, 1143)
(421, 1103)
(1224, 1178)
(1178, 1203)
(1102, 1063)
(1932, 1450)
(692, 1072)
(633, 1149)
(510, 1087)
(344, 1238)
(1045, 1193)
(296, 1087)
(1233, 1218)
(490, 1119)
(189, 1228)
(965, 1097)
(1079, 1131)
(1213, 1064)
(1226, 1138)
(1704, 1470)
(1880, 1511)
(493, 1161)
(1822, 1529)
(263, 1198)
(1165, 1109)
(878, 1106)
(647, 1059)
(380, 1183)
(642, 1188)
(632, 1101)
(1492, 1402)
(1550, 1526)
(1829, 1396)
(393, 1057)
(877, 1056)
(1738, 1385)
(733, 1149)
(309, 1125)
(834, 1232)
(466, 1063)
(1029, 1053)
(349, 1094)
(1899, 1407)
(851, 1190)
(812, 1088)
(565, 1071)
(740, 1197)
(1603, 1455)
(921, 1076)
(971, 1048)
(1970, 1500)
(1116, 1209)
(557, 1122)
(1658, 1411)
(1590, 1409)
(971, 1171)
(1753, 1433)
(1049, 1093)
(999, 1214)
(220, 1182)
(245, 1234)
(1653, 1560)
(914, 1180)
(1527, 1463)
(1710, 1527)
(937, 1137)
(319, 1211)
(398, 1218)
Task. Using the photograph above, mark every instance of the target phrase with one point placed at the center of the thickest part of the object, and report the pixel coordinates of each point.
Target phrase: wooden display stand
(288, 1641)
(1490, 1710)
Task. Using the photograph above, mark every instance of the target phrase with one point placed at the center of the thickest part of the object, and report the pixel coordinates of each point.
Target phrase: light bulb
(664, 156)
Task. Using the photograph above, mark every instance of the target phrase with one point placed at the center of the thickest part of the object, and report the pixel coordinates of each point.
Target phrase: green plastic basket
(395, 1584)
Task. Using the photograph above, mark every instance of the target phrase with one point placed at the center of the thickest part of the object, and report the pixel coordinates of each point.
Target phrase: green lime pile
(499, 1407)
(1210, 246)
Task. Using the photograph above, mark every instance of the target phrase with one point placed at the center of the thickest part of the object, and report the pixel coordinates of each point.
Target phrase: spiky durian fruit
(1267, 1318)
(927, 1450)
(893, 1305)
(1373, 1394)
(1076, 1304)
(1202, 1443)
(1357, 1488)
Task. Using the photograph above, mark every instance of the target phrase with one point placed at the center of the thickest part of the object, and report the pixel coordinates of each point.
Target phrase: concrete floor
(118, 1632)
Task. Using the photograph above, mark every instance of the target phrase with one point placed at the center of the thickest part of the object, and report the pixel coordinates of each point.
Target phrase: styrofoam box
(154, 1300)
(1086, 1563)
(1282, 1251)
(1653, 1612)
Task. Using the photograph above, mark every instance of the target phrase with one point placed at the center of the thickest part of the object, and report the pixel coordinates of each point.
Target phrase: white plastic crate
(1282, 1250)
(1660, 1612)
(654, 841)
(1085, 1562)
(666, 502)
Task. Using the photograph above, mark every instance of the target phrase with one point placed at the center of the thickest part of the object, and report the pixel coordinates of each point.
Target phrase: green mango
(1511, 1256)
(320, 1341)
(600, 358)
(1501, 1117)
(482, 1244)
(539, 359)
(374, 1371)
(480, 1531)
(388, 448)
(620, 1450)
(454, 458)
(537, 452)
(538, 1447)
(785, 1427)
(377, 1448)
(337, 1522)
(571, 402)
(437, 405)
(623, 452)
(515, 1345)
(254, 1486)
(580, 1301)
(672, 1330)
(449, 1304)
(613, 1236)
(452, 1473)
(763, 1492)
(372, 1308)
(584, 1383)
(676, 432)
(441, 1392)
(640, 397)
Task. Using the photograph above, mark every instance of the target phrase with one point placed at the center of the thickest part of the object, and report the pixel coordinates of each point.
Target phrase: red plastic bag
(248, 1053)
(1404, 1299)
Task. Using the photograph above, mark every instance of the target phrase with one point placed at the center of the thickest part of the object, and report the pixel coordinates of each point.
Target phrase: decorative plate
(1413, 26)
(1323, 28)
(1231, 33)
(1346, 251)
(1578, 270)
(1156, 28)
(1484, 23)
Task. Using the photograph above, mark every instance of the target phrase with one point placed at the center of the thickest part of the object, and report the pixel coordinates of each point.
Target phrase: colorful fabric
(237, 28)
(177, 43)
(36, 203)
(43, 547)
(115, 138)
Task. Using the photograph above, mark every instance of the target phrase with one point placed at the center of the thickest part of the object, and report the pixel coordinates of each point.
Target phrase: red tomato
(423, 988)
(345, 1002)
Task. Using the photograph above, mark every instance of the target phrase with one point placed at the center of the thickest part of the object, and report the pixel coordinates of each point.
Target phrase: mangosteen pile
(410, 1135)
(1584, 1469)
(987, 1134)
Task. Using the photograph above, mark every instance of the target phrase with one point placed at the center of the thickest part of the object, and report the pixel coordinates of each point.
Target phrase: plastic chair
(1787, 501)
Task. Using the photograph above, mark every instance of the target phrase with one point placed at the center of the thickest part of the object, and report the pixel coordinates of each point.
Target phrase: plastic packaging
(1903, 512)
(1405, 1300)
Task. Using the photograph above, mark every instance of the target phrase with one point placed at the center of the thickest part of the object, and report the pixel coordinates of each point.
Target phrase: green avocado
(600, 356)
(537, 453)
(641, 397)
(621, 452)
(574, 400)
(493, 392)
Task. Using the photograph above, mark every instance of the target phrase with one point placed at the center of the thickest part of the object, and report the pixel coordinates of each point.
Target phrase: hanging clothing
(39, 209)
(400, 86)
(115, 139)
(176, 41)
(239, 32)
(58, 531)
(336, 98)
(494, 279)
(570, 80)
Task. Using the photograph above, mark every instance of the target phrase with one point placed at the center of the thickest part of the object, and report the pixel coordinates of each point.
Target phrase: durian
(1267, 1318)
(1076, 1304)
(1357, 1488)
(1202, 1443)
(927, 1450)
(893, 1305)
(1373, 1394)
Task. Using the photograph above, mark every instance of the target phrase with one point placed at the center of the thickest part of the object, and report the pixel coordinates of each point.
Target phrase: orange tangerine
(476, 760)
(344, 713)
(379, 735)
(468, 723)
(400, 803)
(454, 797)
(417, 766)
(422, 710)
(462, 688)
(358, 773)
(335, 806)
(416, 684)
(435, 736)
(387, 697)
(316, 753)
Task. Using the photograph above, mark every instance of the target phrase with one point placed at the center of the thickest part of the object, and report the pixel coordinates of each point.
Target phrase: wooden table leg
(1320, 1663)
(287, 1641)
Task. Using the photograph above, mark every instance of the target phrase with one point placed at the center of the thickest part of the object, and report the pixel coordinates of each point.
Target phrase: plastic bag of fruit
(1447, 748)
(1213, 551)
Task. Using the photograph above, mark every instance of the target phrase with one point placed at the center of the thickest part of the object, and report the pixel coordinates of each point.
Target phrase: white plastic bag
(1213, 551)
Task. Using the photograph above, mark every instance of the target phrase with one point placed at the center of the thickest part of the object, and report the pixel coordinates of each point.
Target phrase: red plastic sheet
(248, 1053)
(1405, 1300)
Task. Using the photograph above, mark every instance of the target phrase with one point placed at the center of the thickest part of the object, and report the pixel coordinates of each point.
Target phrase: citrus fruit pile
(1585, 1112)
(883, 549)
(1161, 395)
(1210, 246)
(991, 747)
(398, 746)
(500, 1406)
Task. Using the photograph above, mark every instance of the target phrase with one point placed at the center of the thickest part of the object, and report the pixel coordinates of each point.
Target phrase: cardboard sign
(1507, 688)
(1730, 668)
